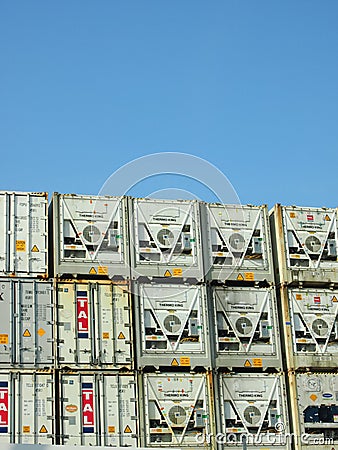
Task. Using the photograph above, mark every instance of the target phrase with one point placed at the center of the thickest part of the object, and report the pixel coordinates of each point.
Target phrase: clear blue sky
(252, 86)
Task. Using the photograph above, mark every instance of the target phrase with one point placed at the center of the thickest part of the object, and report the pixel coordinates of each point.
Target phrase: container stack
(172, 339)
(27, 378)
(249, 378)
(306, 244)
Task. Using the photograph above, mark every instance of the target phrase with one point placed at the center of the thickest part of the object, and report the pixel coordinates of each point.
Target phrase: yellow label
(35, 249)
(313, 397)
(334, 299)
(127, 429)
(327, 218)
(26, 429)
(3, 338)
(292, 215)
(299, 296)
(26, 333)
(41, 332)
(20, 246)
(167, 273)
(249, 276)
(111, 429)
(43, 429)
(174, 362)
(240, 277)
(92, 271)
(247, 363)
(177, 272)
(102, 270)
(121, 336)
(185, 361)
(105, 335)
(257, 362)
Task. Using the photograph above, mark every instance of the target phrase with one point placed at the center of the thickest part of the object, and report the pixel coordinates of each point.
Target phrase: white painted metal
(172, 325)
(166, 239)
(90, 235)
(23, 234)
(253, 405)
(26, 323)
(98, 409)
(94, 325)
(26, 407)
(246, 327)
(176, 409)
(237, 243)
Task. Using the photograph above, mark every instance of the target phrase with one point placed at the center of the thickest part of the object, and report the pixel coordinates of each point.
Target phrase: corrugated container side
(165, 239)
(23, 234)
(172, 326)
(246, 330)
(90, 236)
(98, 409)
(26, 323)
(94, 325)
(27, 407)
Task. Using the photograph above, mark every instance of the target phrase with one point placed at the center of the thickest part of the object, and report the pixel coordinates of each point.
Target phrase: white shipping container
(314, 403)
(165, 239)
(27, 407)
(94, 324)
(254, 405)
(246, 327)
(98, 409)
(26, 323)
(90, 235)
(306, 244)
(172, 325)
(176, 408)
(23, 234)
(237, 243)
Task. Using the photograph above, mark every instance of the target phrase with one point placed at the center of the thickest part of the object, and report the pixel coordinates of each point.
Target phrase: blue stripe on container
(3, 384)
(3, 429)
(87, 385)
(88, 429)
(82, 293)
(82, 335)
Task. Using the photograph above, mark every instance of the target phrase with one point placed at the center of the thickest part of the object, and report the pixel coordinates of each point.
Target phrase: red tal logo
(87, 405)
(82, 314)
(3, 406)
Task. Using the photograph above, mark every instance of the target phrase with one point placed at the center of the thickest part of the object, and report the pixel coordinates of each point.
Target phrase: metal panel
(98, 409)
(26, 407)
(90, 235)
(314, 402)
(246, 327)
(254, 405)
(23, 234)
(94, 324)
(306, 243)
(176, 409)
(311, 327)
(26, 323)
(166, 239)
(237, 243)
(172, 325)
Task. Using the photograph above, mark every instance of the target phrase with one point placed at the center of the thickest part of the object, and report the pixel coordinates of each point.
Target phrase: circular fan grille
(320, 327)
(313, 244)
(165, 237)
(177, 415)
(172, 323)
(91, 233)
(243, 325)
(237, 241)
(252, 415)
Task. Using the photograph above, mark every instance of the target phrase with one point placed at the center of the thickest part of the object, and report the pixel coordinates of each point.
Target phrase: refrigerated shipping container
(237, 243)
(172, 325)
(27, 410)
(176, 409)
(246, 328)
(94, 325)
(89, 236)
(165, 239)
(310, 321)
(23, 234)
(26, 323)
(305, 244)
(98, 409)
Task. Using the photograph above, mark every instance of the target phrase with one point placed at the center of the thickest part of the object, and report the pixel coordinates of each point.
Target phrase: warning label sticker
(127, 429)
(3, 338)
(43, 429)
(167, 273)
(247, 363)
(257, 362)
(35, 249)
(174, 362)
(20, 246)
(102, 270)
(249, 276)
(240, 277)
(185, 361)
(26, 333)
(92, 271)
(177, 272)
(121, 336)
